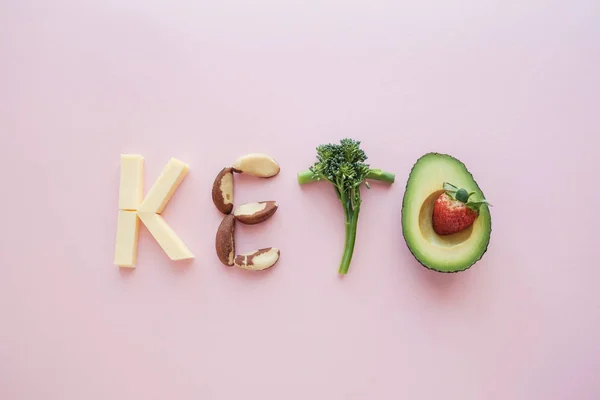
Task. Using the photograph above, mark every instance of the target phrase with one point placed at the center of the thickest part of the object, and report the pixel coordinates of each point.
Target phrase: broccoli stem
(350, 213)
(351, 225)
(380, 175)
(307, 176)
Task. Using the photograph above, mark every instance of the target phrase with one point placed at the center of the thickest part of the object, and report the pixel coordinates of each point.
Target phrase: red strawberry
(453, 212)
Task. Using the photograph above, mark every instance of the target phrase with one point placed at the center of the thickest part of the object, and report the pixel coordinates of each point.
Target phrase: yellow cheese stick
(127, 239)
(166, 237)
(131, 182)
(167, 183)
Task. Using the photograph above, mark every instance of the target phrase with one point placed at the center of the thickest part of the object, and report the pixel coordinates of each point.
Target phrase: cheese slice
(126, 246)
(166, 237)
(132, 179)
(165, 186)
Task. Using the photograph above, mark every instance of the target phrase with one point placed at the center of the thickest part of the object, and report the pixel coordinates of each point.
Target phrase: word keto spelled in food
(445, 220)
(258, 165)
(133, 209)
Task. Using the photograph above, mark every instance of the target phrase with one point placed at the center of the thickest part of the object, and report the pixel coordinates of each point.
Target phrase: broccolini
(343, 165)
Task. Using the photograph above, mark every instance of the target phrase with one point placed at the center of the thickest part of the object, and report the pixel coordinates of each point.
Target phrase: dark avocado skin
(404, 232)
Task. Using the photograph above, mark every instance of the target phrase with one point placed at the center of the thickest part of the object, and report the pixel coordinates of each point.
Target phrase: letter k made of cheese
(133, 209)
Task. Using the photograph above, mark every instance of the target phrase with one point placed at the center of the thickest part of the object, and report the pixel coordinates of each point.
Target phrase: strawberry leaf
(448, 187)
(475, 205)
(462, 195)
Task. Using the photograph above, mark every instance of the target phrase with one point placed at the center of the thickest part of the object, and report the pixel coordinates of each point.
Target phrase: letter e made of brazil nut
(259, 165)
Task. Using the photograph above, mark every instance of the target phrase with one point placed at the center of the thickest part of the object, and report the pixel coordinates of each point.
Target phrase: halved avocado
(448, 253)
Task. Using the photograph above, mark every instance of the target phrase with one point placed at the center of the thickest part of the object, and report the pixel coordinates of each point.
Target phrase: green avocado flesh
(450, 253)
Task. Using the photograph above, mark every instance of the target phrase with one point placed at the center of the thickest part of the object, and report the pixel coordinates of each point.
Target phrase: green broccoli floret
(344, 166)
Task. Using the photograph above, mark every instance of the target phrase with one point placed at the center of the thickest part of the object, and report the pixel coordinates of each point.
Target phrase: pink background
(512, 90)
